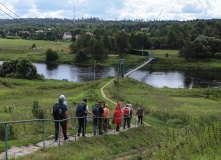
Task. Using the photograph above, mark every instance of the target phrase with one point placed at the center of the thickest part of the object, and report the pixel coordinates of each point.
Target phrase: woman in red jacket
(117, 114)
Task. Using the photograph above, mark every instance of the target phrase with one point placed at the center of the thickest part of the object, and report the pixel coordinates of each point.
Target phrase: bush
(19, 68)
(51, 55)
(36, 111)
(33, 45)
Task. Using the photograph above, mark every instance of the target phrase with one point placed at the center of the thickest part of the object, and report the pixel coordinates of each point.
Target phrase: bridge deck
(138, 67)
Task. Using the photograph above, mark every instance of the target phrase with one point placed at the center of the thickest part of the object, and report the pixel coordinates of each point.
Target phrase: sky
(112, 9)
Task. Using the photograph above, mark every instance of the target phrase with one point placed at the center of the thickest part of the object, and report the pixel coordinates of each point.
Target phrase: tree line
(121, 36)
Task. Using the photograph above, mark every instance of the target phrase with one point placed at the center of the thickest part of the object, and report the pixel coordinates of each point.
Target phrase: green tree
(122, 41)
(81, 56)
(26, 70)
(51, 55)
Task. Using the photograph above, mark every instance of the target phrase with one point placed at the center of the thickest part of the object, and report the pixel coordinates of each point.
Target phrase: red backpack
(126, 111)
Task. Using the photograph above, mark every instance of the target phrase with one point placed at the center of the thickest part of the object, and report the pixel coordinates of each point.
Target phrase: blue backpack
(95, 111)
(80, 112)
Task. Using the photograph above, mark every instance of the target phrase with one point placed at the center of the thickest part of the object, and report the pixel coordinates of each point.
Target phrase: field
(12, 49)
(18, 48)
(186, 123)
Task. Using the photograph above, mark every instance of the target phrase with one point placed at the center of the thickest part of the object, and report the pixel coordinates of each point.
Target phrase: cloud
(111, 9)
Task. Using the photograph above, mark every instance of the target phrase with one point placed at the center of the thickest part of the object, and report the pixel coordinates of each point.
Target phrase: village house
(67, 35)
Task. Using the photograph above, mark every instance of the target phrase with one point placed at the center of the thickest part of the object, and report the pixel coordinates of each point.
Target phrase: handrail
(71, 118)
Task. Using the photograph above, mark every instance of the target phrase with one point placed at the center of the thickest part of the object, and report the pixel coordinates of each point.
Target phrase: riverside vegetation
(186, 123)
(165, 59)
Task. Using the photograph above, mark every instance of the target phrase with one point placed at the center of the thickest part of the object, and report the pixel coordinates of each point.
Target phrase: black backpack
(80, 112)
(57, 112)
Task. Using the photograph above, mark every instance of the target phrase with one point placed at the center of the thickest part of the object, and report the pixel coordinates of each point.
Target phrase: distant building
(89, 33)
(145, 29)
(39, 31)
(67, 35)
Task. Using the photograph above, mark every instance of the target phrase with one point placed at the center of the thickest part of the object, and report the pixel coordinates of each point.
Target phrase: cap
(127, 105)
(99, 102)
(61, 98)
(85, 100)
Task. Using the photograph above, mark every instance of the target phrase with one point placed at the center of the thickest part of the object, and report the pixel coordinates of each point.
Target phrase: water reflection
(156, 78)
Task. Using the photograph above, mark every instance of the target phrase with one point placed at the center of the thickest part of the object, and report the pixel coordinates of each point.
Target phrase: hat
(61, 98)
(127, 105)
(85, 100)
(99, 102)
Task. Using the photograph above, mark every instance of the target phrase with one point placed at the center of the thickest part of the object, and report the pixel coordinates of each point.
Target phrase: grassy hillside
(186, 123)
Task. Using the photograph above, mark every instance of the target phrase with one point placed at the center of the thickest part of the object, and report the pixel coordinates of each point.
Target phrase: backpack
(57, 112)
(95, 111)
(139, 111)
(80, 110)
(126, 111)
(105, 112)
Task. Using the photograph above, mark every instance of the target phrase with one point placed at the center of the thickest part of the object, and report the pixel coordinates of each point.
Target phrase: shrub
(51, 55)
(36, 111)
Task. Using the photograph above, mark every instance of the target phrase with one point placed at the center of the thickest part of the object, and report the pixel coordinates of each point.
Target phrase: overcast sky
(113, 9)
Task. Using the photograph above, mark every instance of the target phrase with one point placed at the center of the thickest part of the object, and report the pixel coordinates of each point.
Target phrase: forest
(194, 39)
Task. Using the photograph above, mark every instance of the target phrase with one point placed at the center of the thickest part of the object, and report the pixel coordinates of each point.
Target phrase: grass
(179, 110)
(13, 49)
(104, 147)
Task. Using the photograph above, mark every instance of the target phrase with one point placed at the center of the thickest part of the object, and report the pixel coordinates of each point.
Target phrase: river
(156, 78)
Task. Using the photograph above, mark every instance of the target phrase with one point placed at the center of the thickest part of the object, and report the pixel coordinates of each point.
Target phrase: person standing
(105, 116)
(140, 114)
(131, 112)
(97, 121)
(81, 112)
(117, 117)
(126, 114)
(60, 112)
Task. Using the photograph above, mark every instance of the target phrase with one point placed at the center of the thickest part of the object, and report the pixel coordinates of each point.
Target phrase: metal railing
(75, 124)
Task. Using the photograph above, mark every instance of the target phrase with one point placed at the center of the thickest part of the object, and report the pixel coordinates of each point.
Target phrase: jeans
(82, 124)
(126, 121)
(64, 129)
(97, 121)
(140, 119)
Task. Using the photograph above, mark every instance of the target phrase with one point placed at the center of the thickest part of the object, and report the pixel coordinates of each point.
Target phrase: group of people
(101, 114)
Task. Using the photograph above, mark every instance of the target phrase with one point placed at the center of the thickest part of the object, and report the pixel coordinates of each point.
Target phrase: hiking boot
(94, 133)
(78, 135)
(56, 140)
(66, 138)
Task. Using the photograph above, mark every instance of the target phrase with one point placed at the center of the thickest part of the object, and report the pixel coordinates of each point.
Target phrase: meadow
(165, 59)
(186, 123)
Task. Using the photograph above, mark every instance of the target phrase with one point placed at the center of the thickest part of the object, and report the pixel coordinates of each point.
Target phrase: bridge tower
(152, 52)
(122, 67)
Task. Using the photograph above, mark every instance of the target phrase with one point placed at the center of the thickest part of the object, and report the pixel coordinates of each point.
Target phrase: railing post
(84, 126)
(107, 125)
(150, 119)
(114, 127)
(6, 141)
(44, 134)
(97, 124)
(135, 121)
(59, 132)
(75, 127)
